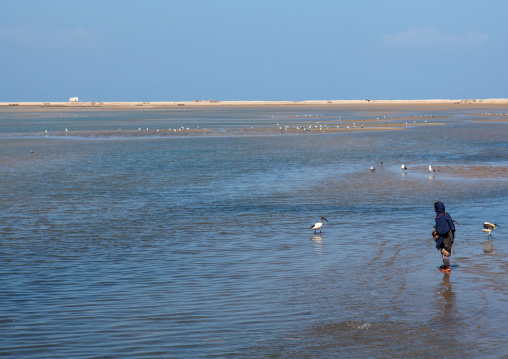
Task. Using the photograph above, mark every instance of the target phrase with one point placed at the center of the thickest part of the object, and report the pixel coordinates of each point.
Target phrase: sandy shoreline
(366, 102)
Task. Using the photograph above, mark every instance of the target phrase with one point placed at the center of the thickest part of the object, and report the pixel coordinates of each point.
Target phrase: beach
(150, 104)
(159, 230)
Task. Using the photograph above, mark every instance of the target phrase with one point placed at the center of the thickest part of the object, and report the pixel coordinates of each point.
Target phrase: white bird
(403, 167)
(432, 169)
(318, 225)
(489, 227)
(372, 169)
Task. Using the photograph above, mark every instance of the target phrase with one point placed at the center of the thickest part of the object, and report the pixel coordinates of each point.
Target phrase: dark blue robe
(444, 224)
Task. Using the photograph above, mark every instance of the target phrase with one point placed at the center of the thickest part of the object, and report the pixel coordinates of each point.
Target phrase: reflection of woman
(448, 296)
(444, 234)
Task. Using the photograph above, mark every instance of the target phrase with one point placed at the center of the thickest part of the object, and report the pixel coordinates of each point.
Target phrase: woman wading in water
(444, 234)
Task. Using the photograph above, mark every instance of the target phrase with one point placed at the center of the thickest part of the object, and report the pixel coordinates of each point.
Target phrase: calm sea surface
(198, 246)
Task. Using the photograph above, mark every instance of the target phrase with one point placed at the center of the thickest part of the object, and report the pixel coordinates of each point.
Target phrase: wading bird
(489, 227)
(318, 225)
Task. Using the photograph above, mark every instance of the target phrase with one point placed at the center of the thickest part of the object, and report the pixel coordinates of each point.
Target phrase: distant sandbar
(497, 101)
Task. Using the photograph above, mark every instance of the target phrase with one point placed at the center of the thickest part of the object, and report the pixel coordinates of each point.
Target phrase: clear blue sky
(252, 50)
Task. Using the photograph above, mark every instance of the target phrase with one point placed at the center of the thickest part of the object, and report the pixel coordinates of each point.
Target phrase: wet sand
(375, 118)
(380, 115)
(295, 128)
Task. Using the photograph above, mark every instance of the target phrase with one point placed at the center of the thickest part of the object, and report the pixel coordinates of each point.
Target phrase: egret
(489, 227)
(318, 225)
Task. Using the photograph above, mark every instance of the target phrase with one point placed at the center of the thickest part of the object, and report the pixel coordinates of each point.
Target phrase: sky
(252, 50)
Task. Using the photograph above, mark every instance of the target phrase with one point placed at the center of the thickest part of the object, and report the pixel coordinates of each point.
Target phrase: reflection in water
(317, 241)
(448, 295)
(488, 247)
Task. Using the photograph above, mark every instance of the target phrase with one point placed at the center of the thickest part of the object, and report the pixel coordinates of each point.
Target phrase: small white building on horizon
(73, 99)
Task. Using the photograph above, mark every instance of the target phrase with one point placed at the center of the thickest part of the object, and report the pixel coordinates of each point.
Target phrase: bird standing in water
(318, 225)
(489, 227)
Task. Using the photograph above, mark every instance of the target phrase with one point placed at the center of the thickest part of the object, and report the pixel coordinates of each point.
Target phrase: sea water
(196, 246)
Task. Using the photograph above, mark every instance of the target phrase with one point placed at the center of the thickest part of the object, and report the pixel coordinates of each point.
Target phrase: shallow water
(199, 246)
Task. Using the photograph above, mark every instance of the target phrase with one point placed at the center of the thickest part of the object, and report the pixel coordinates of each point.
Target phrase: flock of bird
(403, 167)
(487, 227)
